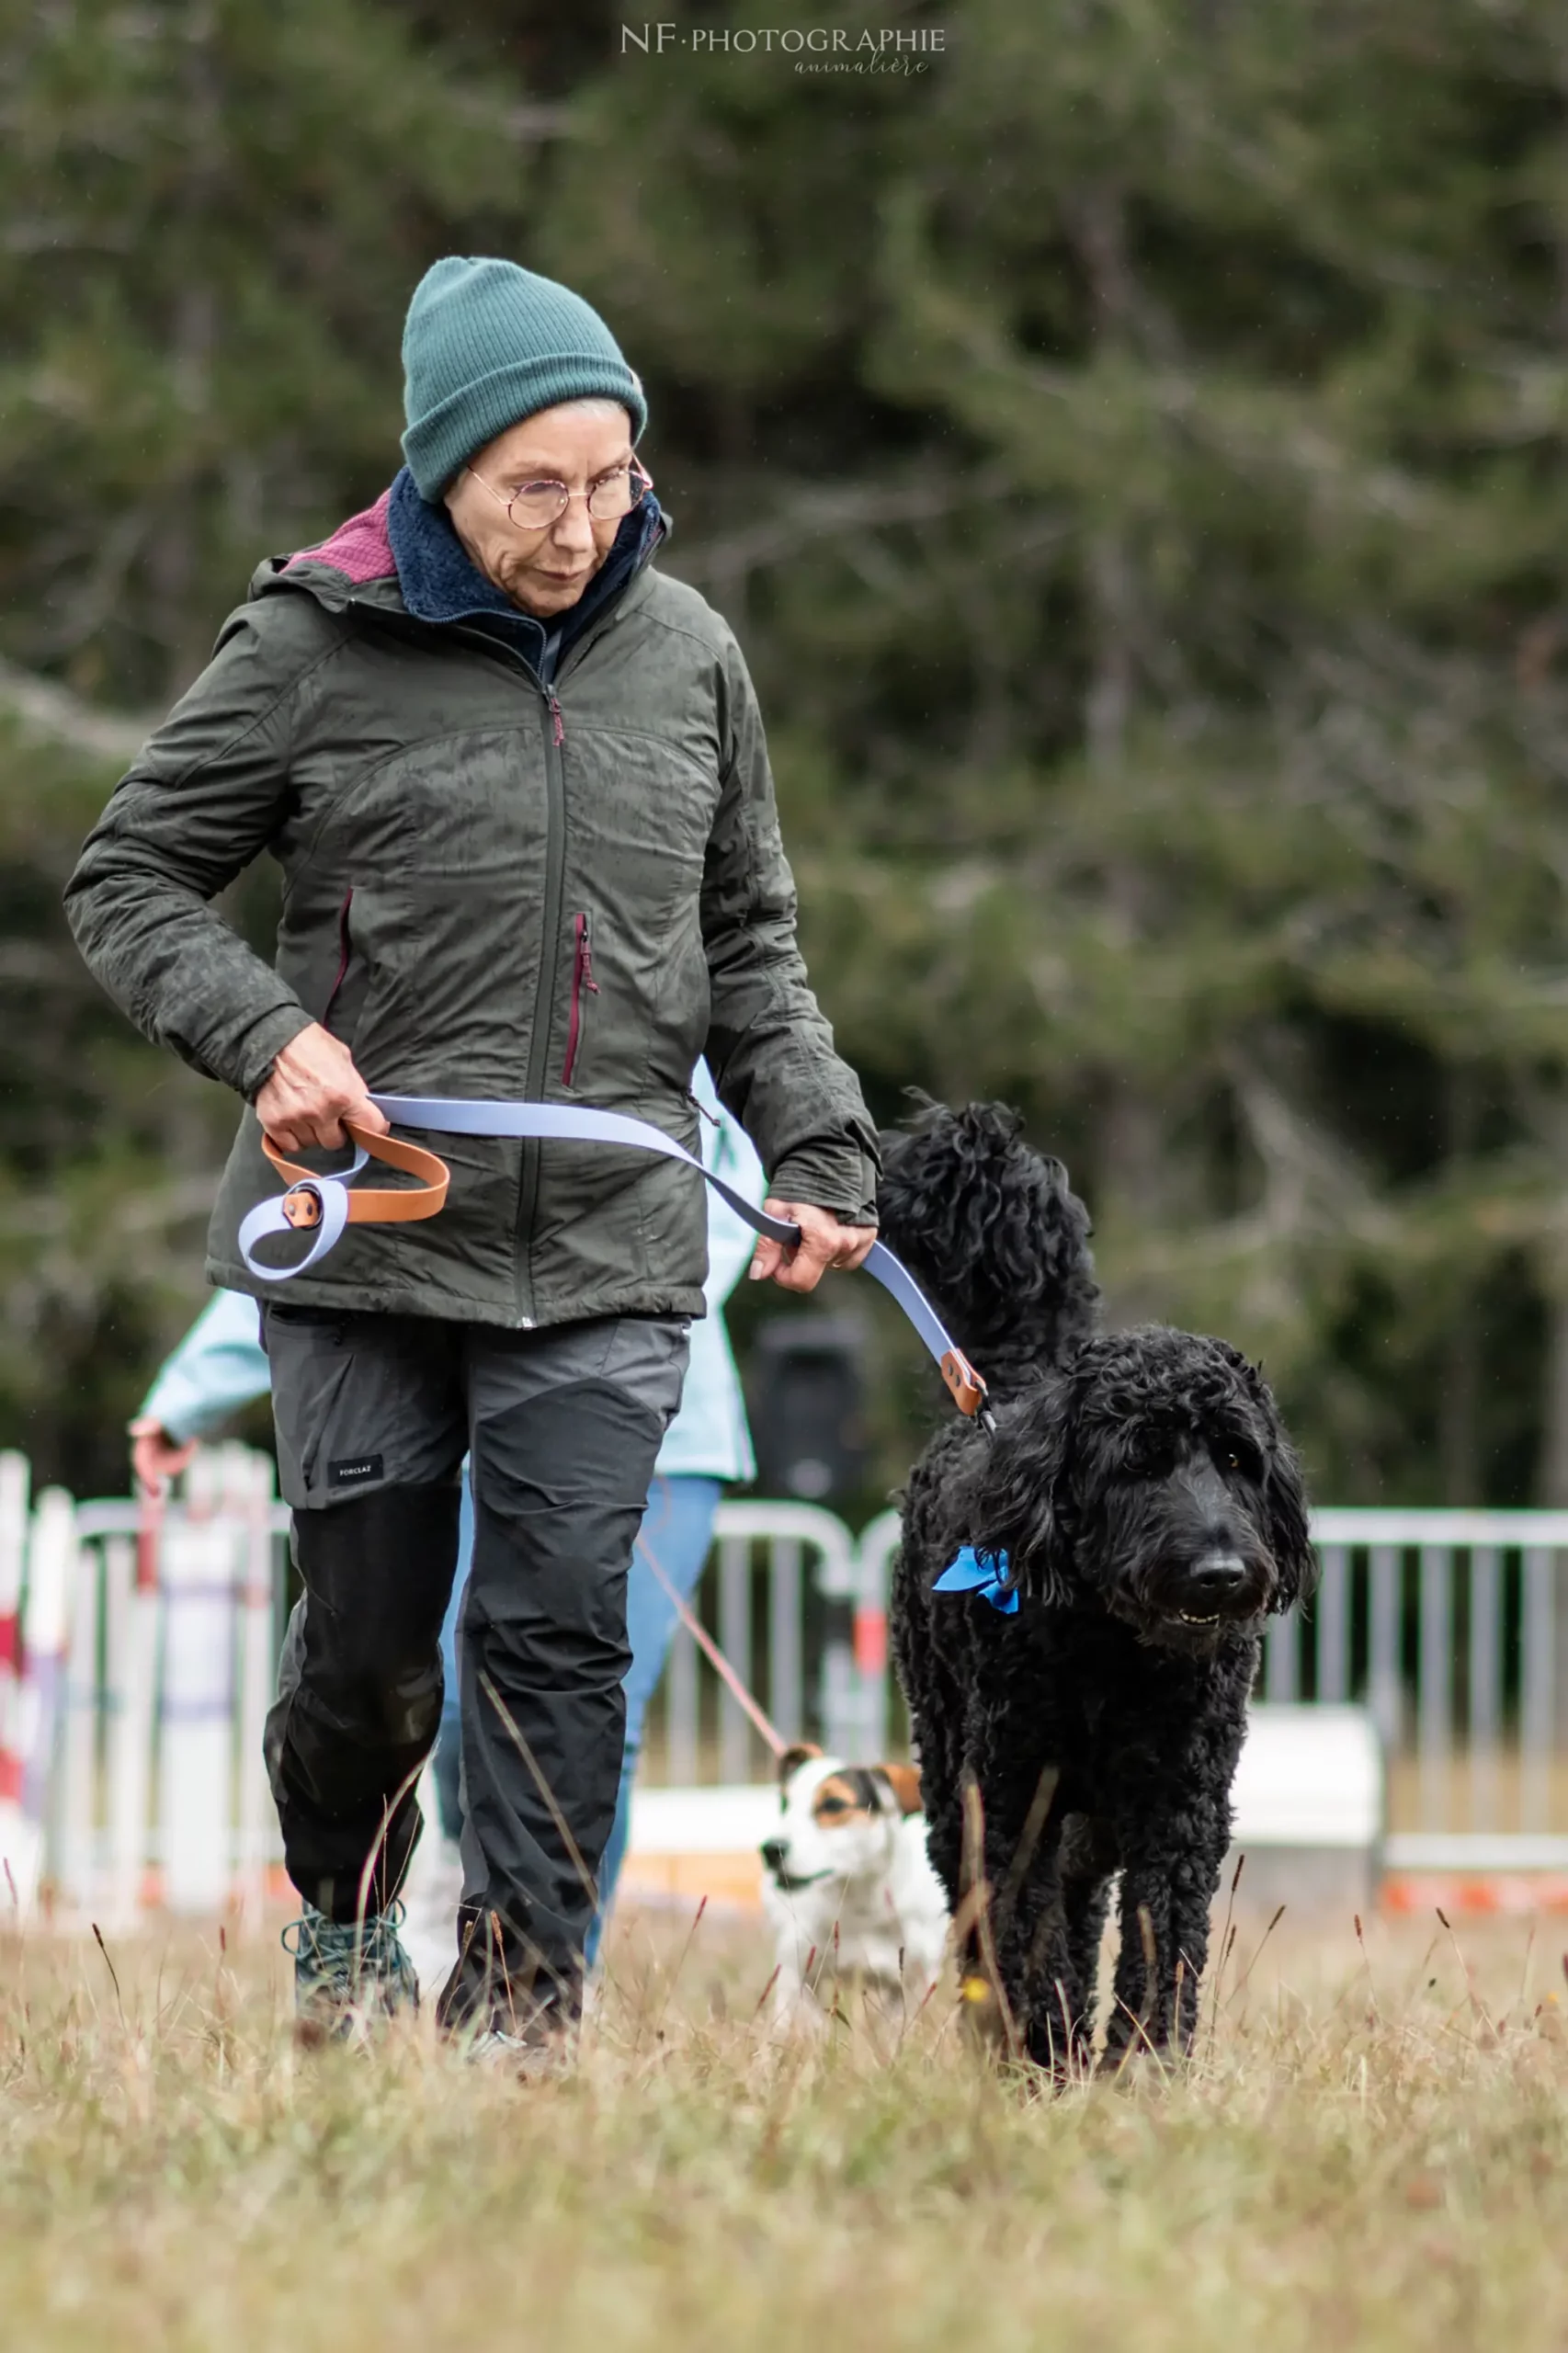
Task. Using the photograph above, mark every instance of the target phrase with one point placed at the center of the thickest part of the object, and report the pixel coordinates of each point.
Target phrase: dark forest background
(1132, 452)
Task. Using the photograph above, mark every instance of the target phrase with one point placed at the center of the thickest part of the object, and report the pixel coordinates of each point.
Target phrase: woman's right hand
(312, 1088)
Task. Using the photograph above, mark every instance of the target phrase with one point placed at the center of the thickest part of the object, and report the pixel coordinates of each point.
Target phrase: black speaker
(808, 1407)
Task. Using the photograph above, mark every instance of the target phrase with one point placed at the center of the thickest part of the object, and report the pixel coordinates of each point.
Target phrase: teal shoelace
(349, 1959)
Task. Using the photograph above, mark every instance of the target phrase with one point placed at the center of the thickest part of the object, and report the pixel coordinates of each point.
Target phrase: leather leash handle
(367, 1205)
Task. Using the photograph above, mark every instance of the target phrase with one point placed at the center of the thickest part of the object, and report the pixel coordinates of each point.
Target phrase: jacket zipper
(581, 978)
(544, 1001)
(345, 950)
(554, 862)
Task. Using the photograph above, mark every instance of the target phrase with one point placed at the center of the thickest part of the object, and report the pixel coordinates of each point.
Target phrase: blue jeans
(677, 1529)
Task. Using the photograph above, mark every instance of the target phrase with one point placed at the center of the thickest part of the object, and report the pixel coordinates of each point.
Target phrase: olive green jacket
(491, 887)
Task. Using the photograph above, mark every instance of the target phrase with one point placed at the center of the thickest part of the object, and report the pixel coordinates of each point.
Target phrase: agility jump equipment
(324, 1206)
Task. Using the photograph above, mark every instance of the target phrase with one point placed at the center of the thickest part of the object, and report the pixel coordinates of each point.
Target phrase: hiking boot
(547, 2047)
(348, 1973)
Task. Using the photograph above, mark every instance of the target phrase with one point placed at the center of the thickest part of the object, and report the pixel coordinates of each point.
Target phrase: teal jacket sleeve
(709, 1437)
(219, 1366)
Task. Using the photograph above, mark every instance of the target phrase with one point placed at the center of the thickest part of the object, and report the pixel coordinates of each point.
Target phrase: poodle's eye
(1236, 1454)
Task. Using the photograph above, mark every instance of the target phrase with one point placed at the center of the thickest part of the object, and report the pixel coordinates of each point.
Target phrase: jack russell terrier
(848, 1887)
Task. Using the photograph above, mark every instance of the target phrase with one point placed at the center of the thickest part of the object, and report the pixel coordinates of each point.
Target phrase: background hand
(824, 1242)
(312, 1088)
(155, 1457)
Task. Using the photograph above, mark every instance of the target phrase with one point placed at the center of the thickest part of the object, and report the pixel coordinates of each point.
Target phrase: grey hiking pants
(374, 1414)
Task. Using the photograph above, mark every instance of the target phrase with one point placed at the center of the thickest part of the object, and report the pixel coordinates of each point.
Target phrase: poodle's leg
(1173, 1827)
(1087, 1863)
(1195, 1879)
(1036, 1966)
(1143, 1963)
(1167, 1891)
(1029, 1919)
(1085, 1904)
(1197, 1852)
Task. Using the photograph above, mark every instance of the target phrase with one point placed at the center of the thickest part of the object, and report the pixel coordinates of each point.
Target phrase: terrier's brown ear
(800, 1752)
(904, 1782)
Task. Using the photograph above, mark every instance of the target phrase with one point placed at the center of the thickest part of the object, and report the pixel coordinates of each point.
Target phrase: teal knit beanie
(486, 344)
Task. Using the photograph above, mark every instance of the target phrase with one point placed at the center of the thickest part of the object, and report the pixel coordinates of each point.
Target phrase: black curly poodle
(1144, 1503)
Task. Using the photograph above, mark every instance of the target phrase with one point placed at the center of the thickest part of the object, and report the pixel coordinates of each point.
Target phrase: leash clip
(968, 1389)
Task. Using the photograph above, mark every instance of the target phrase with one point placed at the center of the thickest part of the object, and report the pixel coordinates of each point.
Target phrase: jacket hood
(402, 556)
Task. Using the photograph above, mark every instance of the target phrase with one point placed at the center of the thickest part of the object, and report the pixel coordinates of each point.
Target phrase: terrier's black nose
(773, 1853)
(1216, 1579)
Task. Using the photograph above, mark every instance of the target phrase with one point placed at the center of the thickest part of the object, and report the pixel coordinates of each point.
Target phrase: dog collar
(981, 1572)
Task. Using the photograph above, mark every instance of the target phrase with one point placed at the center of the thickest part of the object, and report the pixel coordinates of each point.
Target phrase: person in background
(221, 1366)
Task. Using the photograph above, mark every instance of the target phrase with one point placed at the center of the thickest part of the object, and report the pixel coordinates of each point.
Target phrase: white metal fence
(1452, 1628)
(137, 1658)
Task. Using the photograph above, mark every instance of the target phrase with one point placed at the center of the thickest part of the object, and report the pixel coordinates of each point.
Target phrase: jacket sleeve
(769, 1048)
(207, 792)
(729, 1152)
(218, 1367)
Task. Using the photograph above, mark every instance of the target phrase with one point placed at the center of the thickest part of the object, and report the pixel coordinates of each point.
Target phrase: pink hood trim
(359, 549)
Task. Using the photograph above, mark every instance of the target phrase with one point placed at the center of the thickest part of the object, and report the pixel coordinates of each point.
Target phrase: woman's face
(542, 571)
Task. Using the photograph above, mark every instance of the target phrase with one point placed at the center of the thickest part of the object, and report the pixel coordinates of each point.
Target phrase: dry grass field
(1371, 2148)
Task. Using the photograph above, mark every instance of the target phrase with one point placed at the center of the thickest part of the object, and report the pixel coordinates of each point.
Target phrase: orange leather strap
(405, 1205)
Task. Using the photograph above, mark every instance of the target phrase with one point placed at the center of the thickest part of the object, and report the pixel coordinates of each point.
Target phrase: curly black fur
(995, 1236)
(1152, 1513)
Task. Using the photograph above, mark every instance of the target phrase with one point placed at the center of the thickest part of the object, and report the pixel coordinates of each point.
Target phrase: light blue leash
(324, 1203)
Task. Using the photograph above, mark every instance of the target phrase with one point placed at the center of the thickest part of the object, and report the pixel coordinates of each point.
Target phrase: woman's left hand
(824, 1243)
(155, 1457)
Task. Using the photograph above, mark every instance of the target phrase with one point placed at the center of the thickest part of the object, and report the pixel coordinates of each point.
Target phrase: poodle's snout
(1216, 1580)
(775, 1853)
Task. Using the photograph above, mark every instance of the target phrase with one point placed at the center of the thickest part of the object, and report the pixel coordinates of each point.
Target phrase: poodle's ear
(903, 1780)
(1285, 1501)
(1285, 1497)
(800, 1753)
(1021, 1504)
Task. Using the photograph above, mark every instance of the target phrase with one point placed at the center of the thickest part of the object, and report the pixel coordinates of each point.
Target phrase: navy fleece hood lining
(440, 582)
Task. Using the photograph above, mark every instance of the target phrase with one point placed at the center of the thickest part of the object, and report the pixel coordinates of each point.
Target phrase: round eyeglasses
(535, 505)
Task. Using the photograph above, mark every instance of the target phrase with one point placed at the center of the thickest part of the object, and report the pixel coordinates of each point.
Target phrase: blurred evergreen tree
(1130, 452)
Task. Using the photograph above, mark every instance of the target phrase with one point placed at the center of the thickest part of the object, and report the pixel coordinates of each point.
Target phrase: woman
(515, 780)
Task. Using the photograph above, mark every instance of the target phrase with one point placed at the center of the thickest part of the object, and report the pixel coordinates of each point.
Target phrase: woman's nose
(574, 533)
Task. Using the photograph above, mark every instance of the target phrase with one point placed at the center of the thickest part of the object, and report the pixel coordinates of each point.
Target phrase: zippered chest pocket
(583, 986)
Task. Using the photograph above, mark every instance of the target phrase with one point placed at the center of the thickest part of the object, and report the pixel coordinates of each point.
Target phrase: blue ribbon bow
(981, 1572)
